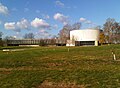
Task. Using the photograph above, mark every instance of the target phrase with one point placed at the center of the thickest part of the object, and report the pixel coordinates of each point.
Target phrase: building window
(82, 43)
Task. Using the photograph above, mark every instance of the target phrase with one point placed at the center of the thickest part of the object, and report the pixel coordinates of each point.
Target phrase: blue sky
(45, 18)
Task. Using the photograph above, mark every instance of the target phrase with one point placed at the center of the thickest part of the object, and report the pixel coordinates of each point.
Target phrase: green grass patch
(87, 67)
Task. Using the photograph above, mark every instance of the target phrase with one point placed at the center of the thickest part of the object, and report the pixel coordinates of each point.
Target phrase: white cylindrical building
(84, 37)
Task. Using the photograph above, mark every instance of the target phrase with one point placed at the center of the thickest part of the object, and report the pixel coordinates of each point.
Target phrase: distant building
(83, 37)
(77, 38)
(29, 42)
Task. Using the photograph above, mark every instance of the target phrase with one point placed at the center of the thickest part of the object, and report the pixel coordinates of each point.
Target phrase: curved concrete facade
(85, 35)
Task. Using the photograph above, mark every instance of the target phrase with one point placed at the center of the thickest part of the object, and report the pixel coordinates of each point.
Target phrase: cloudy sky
(46, 17)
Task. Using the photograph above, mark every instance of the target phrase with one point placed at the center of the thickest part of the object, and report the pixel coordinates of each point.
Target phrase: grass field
(55, 67)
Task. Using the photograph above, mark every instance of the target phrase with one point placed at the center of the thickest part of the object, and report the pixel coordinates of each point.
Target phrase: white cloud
(39, 23)
(23, 24)
(82, 19)
(17, 26)
(42, 31)
(3, 9)
(62, 5)
(59, 3)
(61, 18)
(10, 26)
(88, 22)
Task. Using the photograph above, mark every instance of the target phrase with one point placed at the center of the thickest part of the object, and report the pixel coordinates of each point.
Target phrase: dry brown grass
(47, 84)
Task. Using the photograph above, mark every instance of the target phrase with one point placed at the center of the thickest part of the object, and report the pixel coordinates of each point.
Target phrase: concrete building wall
(85, 35)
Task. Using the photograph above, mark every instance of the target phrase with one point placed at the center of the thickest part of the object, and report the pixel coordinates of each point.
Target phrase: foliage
(87, 67)
(102, 38)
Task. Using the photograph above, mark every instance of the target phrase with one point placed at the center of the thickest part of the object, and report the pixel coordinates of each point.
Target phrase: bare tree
(1, 42)
(76, 26)
(116, 32)
(64, 34)
(112, 31)
(1, 34)
(108, 29)
(9, 38)
(29, 36)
